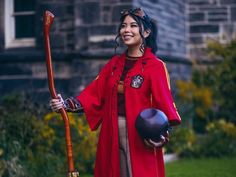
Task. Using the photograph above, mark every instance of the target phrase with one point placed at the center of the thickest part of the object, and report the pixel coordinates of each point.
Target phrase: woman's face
(129, 32)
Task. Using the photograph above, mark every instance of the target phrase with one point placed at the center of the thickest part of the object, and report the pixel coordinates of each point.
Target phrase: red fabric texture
(99, 100)
(121, 97)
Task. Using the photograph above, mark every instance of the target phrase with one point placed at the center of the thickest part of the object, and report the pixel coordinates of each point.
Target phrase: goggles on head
(138, 12)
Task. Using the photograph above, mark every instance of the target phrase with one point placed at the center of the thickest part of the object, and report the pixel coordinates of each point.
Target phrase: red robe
(99, 101)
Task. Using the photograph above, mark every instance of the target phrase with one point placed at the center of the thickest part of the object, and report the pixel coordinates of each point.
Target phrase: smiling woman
(127, 85)
(137, 28)
(130, 35)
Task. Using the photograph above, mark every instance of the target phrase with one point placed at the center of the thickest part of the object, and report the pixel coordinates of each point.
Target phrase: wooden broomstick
(47, 22)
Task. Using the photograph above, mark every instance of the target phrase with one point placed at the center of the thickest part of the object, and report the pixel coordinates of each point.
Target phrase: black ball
(151, 123)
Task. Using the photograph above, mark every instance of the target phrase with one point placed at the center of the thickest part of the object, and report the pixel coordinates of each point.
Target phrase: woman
(126, 85)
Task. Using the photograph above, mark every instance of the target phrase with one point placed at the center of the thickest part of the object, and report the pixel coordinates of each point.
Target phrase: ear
(146, 33)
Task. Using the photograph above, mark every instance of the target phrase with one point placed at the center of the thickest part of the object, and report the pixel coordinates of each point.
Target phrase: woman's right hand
(164, 140)
(57, 104)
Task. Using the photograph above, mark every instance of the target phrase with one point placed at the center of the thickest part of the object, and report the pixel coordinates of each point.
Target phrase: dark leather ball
(151, 123)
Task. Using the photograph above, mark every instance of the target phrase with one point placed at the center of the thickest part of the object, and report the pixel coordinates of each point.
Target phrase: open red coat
(99, 101)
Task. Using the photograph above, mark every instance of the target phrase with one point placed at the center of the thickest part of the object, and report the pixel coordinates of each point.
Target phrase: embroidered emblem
(137, 81)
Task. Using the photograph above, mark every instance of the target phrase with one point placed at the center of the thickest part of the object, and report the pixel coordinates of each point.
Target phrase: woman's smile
(127, 37)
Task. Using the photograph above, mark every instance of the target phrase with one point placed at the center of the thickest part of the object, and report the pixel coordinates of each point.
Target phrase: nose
(127, 28)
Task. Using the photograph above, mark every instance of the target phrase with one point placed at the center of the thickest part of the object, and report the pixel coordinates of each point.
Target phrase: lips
(127, 37)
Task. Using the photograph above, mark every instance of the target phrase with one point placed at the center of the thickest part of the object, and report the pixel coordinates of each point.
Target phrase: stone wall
(171, 22)
(63, 27)
(96, 24)
(1, 26)
(82, 40)
(210, 20)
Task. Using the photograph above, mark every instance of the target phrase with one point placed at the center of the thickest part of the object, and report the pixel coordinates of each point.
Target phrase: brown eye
(122, 26)
(134, 25)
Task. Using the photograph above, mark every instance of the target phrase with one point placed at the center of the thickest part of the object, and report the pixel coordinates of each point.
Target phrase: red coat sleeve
(161, 93)
(92, 99)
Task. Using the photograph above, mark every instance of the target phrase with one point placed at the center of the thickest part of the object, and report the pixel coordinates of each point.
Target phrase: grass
(224, 167)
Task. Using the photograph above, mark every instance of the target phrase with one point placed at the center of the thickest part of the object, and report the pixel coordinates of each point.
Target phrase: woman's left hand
(164, 140)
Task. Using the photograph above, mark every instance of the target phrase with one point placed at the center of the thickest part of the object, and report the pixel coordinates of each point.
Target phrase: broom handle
(48, 20)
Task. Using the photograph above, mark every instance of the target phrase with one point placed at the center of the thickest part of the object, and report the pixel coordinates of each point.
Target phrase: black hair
(149, 41)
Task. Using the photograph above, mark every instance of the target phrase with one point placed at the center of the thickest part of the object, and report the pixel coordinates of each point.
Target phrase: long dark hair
(144, 23)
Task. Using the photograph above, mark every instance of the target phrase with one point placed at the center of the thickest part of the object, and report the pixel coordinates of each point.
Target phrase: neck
(134, 52)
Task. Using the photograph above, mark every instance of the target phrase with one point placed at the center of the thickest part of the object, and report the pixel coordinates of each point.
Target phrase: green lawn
(225, 167)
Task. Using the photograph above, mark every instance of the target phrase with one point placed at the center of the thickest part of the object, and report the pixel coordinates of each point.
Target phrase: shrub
(34, 145)
(182, 142)
(84, 141)
(220, 139)
(210, 94)
(196, 104)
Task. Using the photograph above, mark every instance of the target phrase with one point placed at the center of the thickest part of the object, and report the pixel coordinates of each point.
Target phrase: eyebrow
(132, 23)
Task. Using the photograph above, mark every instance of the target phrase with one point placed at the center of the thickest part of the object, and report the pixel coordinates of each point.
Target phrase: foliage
(220, 139)
(196, 102)
(16, 136)
(34, 145)
(222, 79)
(210, 94)
(207, 98)
(182, 141)
(84, 140)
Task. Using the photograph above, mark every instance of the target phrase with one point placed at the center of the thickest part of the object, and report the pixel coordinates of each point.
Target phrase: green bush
(210, 94)
(18, 128)
(221, 79)
(84, 141)
(32, 141)
(182, 141)
(195, 104)
(220, 139)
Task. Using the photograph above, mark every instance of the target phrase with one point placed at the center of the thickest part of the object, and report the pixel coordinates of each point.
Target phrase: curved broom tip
(48, 19)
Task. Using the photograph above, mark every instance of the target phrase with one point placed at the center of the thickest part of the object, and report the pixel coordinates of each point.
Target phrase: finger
(55, 110)
(167, 134)
(56, 107)
(167, 137)
(59, 96)
(156, 144)
(164, 140)
(54, 100)
(147, 143)
(56, 104)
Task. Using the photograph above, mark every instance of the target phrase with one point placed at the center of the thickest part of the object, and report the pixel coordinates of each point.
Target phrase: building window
(19, 23)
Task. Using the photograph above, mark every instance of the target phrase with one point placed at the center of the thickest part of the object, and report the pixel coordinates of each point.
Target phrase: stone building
(82, 38)
(209, 20)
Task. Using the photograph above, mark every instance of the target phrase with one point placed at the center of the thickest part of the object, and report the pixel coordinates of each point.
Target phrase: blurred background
(196, 39)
